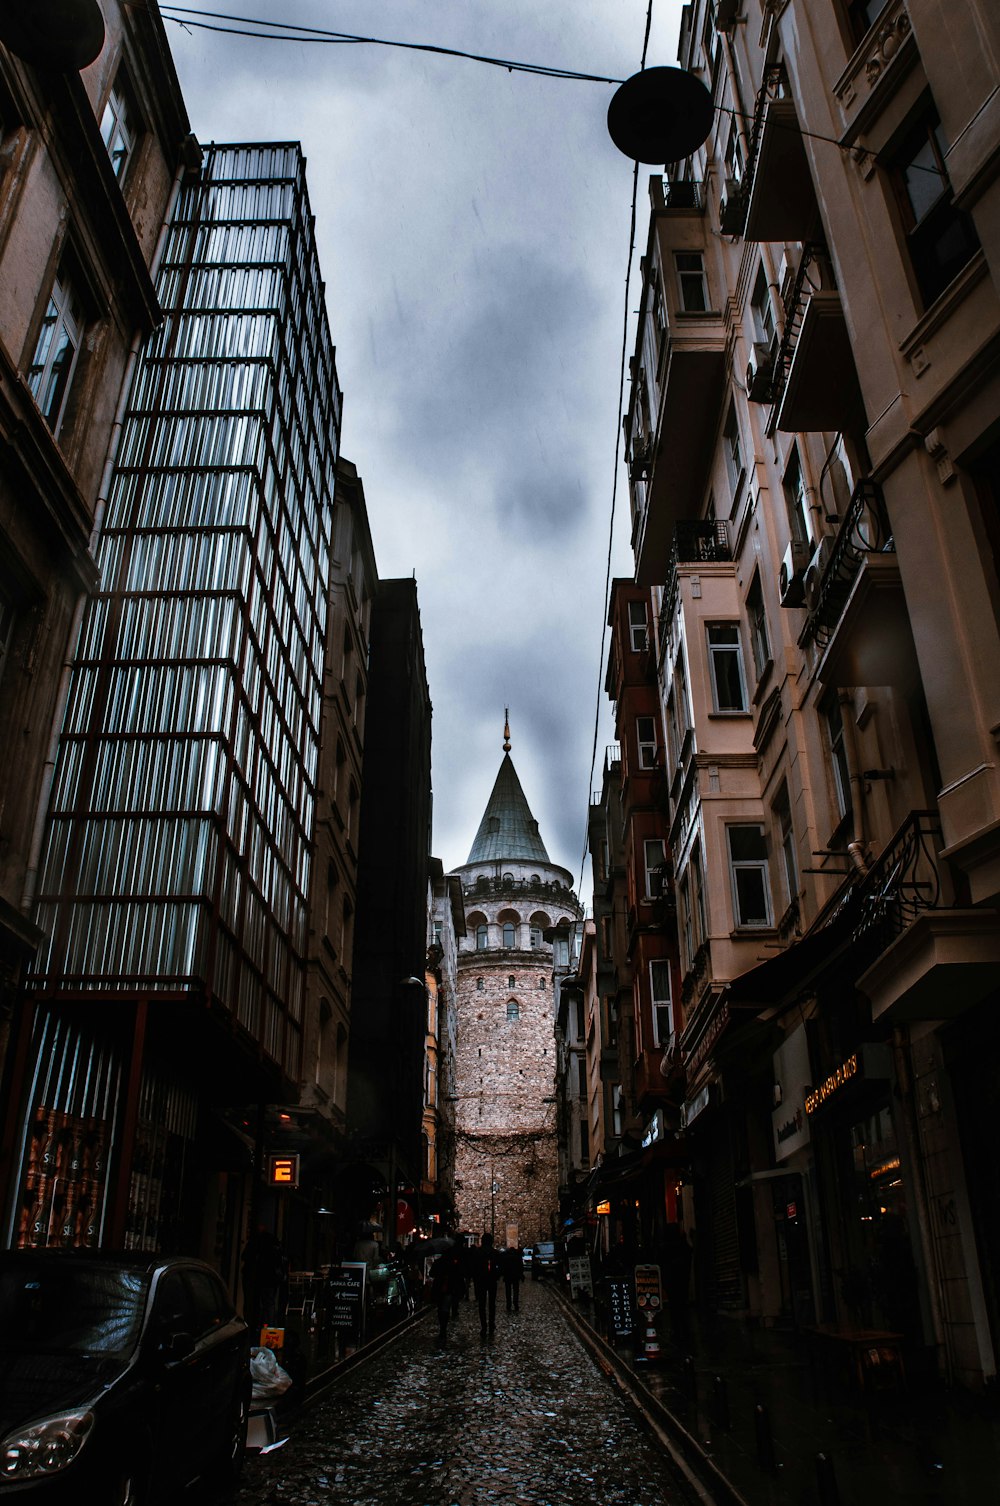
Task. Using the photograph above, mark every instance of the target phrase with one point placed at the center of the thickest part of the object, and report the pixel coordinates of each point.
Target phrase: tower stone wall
(518, 908)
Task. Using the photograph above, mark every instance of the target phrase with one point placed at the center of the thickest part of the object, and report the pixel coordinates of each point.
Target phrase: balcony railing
(683, 194)
(814, 275)
(696, 542)
(773, 85)
(865, 530)
(905, 880)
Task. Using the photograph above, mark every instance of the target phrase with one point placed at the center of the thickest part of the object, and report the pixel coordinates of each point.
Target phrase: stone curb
(701, 1472)
(319, 1385)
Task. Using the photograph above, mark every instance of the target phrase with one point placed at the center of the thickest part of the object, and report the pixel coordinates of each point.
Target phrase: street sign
(283, 1171)
(580, 1279)
(649, 1300)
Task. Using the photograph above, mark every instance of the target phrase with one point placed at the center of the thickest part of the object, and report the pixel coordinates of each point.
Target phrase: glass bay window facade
(179, 828)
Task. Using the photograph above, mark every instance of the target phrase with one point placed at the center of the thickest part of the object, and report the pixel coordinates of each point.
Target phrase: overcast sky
(473, 234)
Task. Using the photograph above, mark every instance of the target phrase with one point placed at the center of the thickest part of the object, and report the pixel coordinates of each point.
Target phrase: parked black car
(122, 1378)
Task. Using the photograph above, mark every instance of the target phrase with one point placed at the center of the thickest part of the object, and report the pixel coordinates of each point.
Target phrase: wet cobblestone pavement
(522, 1419)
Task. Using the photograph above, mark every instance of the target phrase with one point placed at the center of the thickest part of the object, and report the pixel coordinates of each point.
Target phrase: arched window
(511, 982)
(541, 982)
(482, 932)
(480, 983)
(509, 933)
(513, 1009)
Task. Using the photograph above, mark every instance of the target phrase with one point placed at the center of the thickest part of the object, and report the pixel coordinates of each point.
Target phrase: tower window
(509, 934)
(513, 1009)
(480, 984)
(482, 934)
(511, 981)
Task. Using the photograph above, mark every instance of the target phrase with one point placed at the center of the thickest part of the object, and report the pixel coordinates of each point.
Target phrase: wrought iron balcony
(905, 880)
(865, 530)
(697, 541)
(815, 379)
(679, 193)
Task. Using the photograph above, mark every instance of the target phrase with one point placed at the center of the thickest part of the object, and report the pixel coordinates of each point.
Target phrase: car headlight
(43, 1448)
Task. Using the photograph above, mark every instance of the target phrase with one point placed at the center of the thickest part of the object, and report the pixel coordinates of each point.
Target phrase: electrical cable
(290, 31)
(614, 483)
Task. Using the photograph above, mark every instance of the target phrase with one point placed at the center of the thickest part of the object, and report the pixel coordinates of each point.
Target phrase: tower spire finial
(506, 729)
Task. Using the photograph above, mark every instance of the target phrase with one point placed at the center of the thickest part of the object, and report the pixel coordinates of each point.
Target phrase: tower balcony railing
(679, 193)
(865, 530)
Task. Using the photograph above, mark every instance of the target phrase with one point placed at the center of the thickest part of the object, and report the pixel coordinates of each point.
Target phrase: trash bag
(269, 1380)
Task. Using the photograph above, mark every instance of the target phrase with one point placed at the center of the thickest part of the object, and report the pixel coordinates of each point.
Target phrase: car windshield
(49, 1307)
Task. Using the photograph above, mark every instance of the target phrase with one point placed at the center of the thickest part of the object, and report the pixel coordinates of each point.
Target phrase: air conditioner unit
(812, 580)
(731, 209)
(790, 588)
(760, 372)
(642, 455)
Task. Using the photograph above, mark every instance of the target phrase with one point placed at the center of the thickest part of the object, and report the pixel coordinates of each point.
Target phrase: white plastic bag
(269, 1380)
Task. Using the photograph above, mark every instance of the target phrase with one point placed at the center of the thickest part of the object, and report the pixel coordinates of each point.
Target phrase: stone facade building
(520, 913)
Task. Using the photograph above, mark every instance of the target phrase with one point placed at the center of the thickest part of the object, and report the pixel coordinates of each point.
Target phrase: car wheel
(229, 1467)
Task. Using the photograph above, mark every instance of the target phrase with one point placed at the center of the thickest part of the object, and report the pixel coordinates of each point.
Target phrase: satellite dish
(60, 35)
(660, 115)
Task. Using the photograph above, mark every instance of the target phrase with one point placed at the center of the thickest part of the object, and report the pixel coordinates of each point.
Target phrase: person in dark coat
(485, 1277)
(265, 1271)
(446, 1284)
(513, 1275)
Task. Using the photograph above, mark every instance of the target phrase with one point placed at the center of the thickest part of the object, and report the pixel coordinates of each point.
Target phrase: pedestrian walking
(446, 1284)
(485, 1278)
(513, 1275)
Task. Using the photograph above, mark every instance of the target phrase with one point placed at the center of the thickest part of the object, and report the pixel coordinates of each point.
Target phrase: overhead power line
(290, 31)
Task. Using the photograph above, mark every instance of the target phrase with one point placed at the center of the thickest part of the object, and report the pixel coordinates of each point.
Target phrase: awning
(772, 981)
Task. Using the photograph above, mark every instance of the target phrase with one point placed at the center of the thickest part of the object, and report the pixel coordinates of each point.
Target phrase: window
(838, 751)
(611, 1016)
(512, 981)
(653, 861)
(637, 626)
(940, 238)
(616, 1109)
(482, 933)
(863, 15)
(786, 843)
(541, 982)
(581, 1076)
(509, 933)
(480, 984)
(560, 952)
(762, 310)
(759, 643)
(748, 872)
(661, 995)
(795, 500)
(56, 351)
(733, 452)
(513, 1008)
(118, 126)
(645, 736)
(700, 918)
(535, 937)
(691, 284)
(584, 1141)
(734, 156)
(581, 1024)
(726, 663)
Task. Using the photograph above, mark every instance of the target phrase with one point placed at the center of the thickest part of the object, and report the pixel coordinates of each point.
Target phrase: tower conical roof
(508, 830)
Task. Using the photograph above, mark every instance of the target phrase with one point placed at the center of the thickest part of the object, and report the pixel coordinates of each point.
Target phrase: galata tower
(520, 914)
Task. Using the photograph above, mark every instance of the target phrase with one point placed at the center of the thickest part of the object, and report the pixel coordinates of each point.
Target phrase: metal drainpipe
(62, 695)
(911, 1134)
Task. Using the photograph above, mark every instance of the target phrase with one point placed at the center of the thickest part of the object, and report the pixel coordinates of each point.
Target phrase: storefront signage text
(836, 1080)
(283, 1171)
(708, 1040)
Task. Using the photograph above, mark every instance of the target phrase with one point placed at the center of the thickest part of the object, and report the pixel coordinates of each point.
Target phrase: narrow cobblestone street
(524, 1418)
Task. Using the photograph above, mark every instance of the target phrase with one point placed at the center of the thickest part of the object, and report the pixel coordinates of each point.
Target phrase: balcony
(677, 195)
(934, 960)
(815, 380)
(780, 201)
(689, 392)
(697, 541)
(857, 612)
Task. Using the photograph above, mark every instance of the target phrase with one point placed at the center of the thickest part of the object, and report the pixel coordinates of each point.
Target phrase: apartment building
(813, 443)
